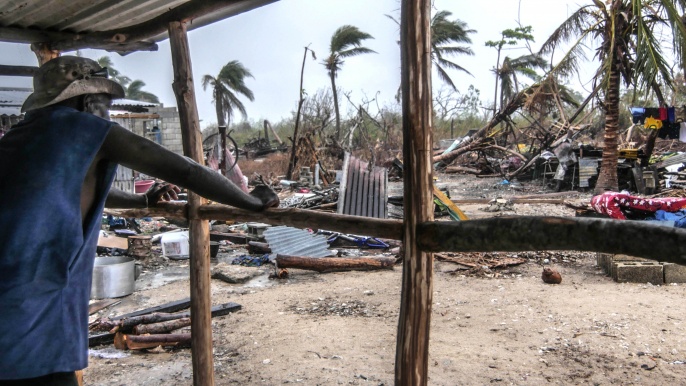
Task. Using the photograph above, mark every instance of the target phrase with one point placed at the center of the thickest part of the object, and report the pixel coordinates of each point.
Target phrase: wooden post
(43, 52)
(201, 325)
(412, 349)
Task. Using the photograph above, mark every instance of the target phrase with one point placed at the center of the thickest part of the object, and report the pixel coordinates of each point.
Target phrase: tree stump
(140, 247)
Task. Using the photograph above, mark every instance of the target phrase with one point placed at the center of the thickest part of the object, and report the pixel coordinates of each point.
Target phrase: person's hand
(266, 195)
(162, 192)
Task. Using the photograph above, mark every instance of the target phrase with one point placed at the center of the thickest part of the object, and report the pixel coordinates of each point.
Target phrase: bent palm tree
(346, 42)
(225, 90)
(507, 74)
(629, 50)
(134, 91)
(444, 34)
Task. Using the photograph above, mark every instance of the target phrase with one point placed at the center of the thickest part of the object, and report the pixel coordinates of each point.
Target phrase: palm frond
(579, 21)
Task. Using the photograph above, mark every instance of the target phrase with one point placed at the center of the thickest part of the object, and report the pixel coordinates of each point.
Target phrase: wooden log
(140, 247)
(257, 247)
(335, 264)
(162, 327)
(461, 169)
(141, 342)
(236, 238)
(298, 218)
(515, 234)
(128, 324)
(199, 229)
(6, 70)
(412, 347)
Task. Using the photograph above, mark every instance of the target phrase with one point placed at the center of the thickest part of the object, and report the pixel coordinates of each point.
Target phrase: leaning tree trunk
(332, 74)
(607, 178)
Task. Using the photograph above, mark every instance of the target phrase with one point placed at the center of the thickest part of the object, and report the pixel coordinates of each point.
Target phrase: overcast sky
(270, 41)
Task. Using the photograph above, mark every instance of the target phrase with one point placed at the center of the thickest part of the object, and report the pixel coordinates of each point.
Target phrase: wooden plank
(101, 304)
(335, 264)
(174, 306)
(412, 348)
(199, 230)
(343, 190)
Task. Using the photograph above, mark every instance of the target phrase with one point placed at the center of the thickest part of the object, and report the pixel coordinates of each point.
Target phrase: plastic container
(175, 245)
(143, 185)
(113, 277)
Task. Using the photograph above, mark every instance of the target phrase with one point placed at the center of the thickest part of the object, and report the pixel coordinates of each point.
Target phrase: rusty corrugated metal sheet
(296, 242)
(363, 192)
(84, 16)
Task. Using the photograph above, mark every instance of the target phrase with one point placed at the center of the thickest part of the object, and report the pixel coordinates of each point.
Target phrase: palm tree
(346, 42)
(105, 61)
(225, 90)
(628, 51)
(507, 74)
(134, 91)
(444, 35)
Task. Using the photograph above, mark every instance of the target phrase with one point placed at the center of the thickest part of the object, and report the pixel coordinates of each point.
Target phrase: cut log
(128, 324)
(257, 247)
(162, 327)
(140, 342)
(140, 247)
(331, 264)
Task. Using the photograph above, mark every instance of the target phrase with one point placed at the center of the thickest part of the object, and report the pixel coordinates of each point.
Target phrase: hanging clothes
(669, 131)
(637, 115)
(653, 123)
(682, 131)
(663, 113)
(671, 114)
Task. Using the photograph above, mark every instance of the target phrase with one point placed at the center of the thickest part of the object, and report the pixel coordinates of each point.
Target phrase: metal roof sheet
(71, 23)
(13, 96)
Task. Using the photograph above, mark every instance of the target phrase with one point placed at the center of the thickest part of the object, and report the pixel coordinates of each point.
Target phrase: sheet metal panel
(298, 242)
(364, 191)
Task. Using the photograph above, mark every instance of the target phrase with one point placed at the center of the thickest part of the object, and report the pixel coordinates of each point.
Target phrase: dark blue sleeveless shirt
(46, 251)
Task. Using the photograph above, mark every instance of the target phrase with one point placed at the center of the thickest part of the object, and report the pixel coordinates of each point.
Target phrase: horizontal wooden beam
(298, 218)
(6, 70)
(302, 218)
(518, 234)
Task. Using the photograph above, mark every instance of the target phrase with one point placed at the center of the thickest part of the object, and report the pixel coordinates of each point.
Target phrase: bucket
(143, 185)
(214, 248)
(113, 277)
(175, 245)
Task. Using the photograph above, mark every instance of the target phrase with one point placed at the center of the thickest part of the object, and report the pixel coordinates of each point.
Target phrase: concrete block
(604, 261)
(616, 259)
(639, 272)
(674, 273)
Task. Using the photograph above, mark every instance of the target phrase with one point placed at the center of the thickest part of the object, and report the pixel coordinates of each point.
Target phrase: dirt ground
(502, 326)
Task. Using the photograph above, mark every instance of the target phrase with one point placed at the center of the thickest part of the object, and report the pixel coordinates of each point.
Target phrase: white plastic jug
(175, 245)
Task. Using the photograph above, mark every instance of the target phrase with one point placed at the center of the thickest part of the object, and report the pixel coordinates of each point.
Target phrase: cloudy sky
(270, 42)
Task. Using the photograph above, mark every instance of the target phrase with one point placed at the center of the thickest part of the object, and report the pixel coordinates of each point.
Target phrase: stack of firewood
(158, 329)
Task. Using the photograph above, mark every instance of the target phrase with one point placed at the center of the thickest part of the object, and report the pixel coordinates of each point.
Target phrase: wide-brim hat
(68, 76)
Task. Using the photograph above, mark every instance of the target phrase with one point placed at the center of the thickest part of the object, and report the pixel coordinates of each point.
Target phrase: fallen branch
(331, 264)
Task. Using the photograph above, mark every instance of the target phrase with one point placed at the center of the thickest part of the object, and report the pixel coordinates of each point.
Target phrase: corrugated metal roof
(72, 22)
(363, 191)
(285, 240)
(131, 102)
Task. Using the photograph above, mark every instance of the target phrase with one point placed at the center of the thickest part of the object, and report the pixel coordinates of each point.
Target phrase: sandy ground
(503, 326)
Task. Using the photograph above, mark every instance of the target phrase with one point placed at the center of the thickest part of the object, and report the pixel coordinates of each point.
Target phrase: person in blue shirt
(56, 168)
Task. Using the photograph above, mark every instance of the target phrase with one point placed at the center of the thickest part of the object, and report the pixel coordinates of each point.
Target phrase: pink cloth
(612, 203)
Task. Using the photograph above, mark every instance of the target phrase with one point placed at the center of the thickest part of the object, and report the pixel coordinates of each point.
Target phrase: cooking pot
(113, 277)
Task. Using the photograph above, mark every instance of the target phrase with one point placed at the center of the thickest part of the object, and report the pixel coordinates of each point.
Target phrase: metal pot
(113, 277)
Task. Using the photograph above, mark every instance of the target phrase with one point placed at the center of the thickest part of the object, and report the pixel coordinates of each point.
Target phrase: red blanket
(612, 204)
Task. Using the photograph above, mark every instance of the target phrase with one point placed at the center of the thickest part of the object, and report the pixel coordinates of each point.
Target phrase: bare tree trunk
(607, 178)
(301, 100)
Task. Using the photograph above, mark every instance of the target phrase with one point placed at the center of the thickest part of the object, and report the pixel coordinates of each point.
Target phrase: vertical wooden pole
(43, 52)
(201, 322)
(412, 350)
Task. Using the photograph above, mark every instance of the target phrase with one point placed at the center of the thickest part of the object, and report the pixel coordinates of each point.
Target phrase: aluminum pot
(113, 277)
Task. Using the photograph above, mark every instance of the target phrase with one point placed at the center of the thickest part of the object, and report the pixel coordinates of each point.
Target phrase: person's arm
(159, 192)
(143, 155)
